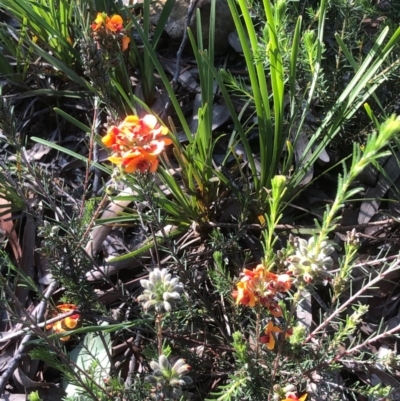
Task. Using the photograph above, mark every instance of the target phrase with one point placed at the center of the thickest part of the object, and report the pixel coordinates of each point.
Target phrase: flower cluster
(136, 143)
(161, 291)
(108, 30)
(260, 286)
(309, 261)
(68, 323)
(168, 379)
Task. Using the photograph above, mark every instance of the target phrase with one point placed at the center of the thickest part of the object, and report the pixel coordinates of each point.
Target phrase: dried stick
(379, 277)
(90, 155)
(38, 325)
(19, 353)
(192, 7)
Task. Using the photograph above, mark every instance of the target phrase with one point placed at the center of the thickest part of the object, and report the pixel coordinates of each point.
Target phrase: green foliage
(287, 54)
(49, 20)
(285, 76)
(51, 359)
(288, 361)
(34, 396)
(219, 275)
(68, 264)
(201, 182)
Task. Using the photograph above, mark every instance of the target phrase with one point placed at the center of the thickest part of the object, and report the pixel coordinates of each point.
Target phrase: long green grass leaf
(147, 245)
(73, 120)
(70, 153)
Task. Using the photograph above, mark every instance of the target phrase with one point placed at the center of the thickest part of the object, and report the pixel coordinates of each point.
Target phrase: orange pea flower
(261, 286)
(136, 143)
(250, 287)
(113, 24)
(141, 161)
(245, 294)
(68, 323)
(269, 338)
(278, 282)
(125, 43)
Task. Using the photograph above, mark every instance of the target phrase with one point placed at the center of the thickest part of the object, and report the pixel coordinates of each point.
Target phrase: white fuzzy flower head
(168, 380)
(161, 291)
(309, 262)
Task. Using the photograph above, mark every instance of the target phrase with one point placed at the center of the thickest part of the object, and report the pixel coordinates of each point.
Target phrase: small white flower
(161, 291)
(168, 379)
(308, 262)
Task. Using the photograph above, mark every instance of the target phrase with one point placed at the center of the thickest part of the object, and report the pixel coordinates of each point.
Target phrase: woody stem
(159, 332)
(258, 321)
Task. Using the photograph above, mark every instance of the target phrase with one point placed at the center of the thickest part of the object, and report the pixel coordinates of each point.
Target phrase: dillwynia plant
(286, 356)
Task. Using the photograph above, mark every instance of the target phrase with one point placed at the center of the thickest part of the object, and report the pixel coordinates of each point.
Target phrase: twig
(133, 361)
(92, 221)
(367, 342)
(340, 228)
(274, 372)
(192, 7)
(38, 325)
(298, 229)
(159, 333)
(80, 374)
(90, 155)
(258, 323)
(97, 172)
(378, 278)
(351, 351)
(21, 349)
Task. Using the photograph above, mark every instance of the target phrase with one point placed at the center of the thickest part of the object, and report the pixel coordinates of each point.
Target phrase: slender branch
(378, 278)
(38, 325)
(296, 299)
(159, 332)
(352, 350)
(258, 323)
(79, 374)
(368, 341)
(192, 7)
(90, 155)
(21, 349)
(92, 221)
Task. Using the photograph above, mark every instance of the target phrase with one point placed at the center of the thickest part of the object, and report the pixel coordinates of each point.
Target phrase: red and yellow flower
(250, 287)
(261, 286)
(113, 24)
(68, 323)
(244, 294)
(269, 338)
(136, 143)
